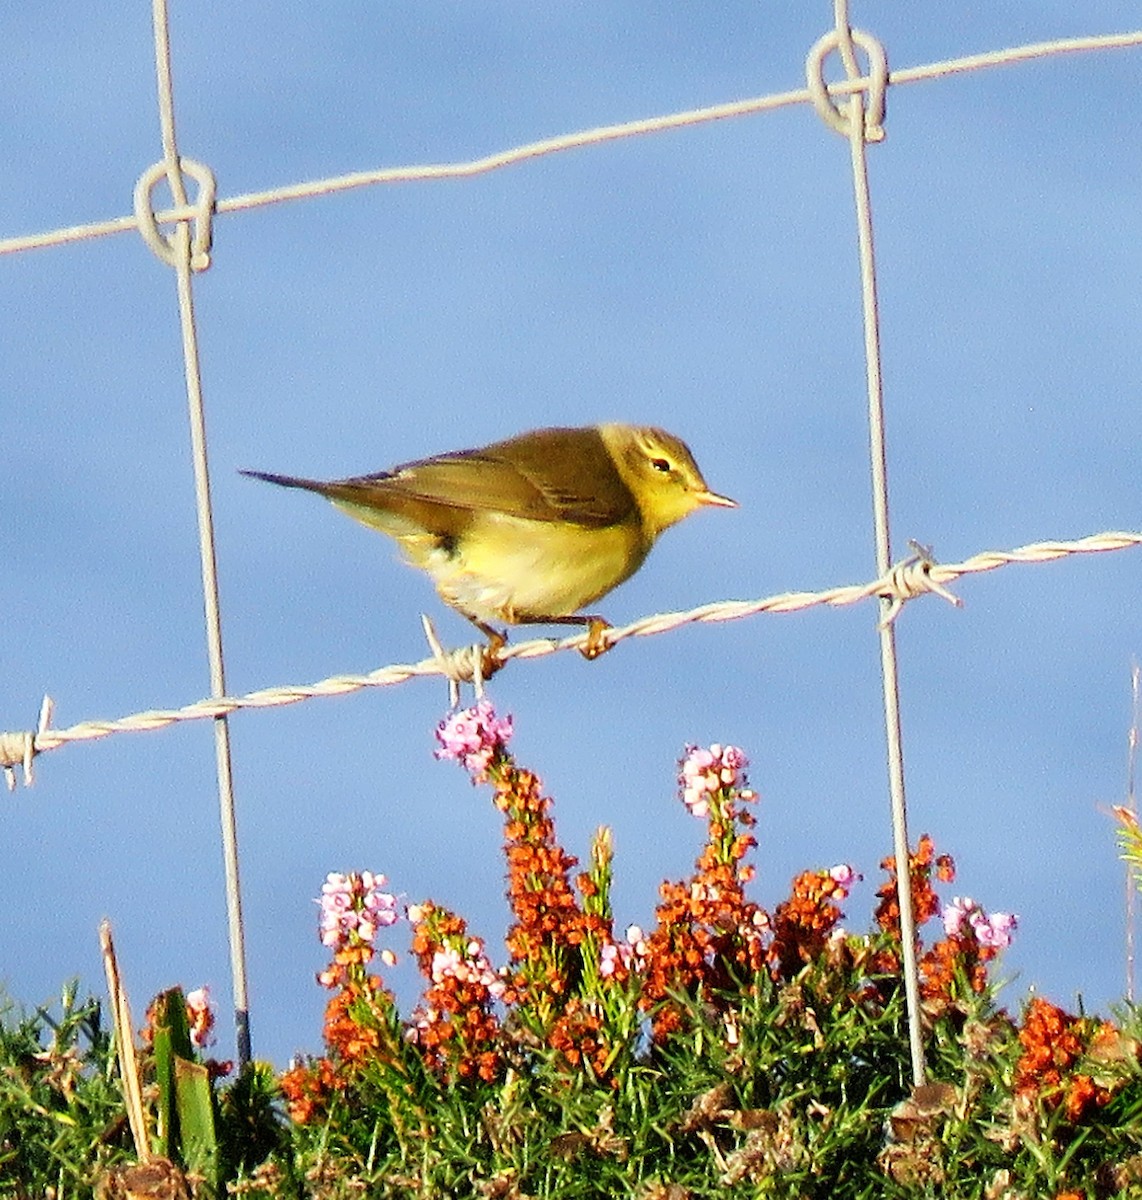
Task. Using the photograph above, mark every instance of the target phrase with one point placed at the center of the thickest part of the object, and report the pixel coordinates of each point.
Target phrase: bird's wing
(547, 475)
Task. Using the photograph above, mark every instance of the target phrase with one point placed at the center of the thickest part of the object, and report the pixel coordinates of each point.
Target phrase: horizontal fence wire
(906, 581)
(572, 141)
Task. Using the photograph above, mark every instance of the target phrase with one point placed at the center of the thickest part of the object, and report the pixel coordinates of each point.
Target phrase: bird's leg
(597, 627)
(596, 638)
(497, 640)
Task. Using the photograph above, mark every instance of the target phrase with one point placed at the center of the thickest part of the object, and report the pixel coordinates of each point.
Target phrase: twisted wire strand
(904, 582)
(571, 141)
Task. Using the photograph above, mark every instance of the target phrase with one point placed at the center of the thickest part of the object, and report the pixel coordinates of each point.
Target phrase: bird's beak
(714, 499)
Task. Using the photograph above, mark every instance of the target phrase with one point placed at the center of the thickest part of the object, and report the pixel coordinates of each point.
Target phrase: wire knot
(19, 749)
(465, 664)
(844, 40)
(911, 578)
(163, 246)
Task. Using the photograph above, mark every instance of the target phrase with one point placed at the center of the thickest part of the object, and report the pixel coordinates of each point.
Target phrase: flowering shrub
(727, 1046)
(727, 1050)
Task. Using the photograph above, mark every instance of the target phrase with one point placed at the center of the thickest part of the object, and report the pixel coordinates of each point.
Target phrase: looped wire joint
(910, 578)
(19, 749)
(466, 664)
(875, 85)
(162, 245)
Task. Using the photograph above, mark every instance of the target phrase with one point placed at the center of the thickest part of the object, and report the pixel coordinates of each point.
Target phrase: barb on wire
(911, 578)
(920, 576)
(571, 141)
(19, 749)
(467, 664)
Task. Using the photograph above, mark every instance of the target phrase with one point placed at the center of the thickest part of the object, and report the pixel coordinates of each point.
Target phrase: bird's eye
(661, 464)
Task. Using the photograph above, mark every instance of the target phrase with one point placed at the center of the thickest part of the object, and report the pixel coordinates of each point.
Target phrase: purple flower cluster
(469, 966)
(706, 771)
(474, 736)
(199, 1016)
(353, 908)
(845, 875)
(995, 930)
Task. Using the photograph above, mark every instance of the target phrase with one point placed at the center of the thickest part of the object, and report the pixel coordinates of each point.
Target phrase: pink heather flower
(423, 1020)
(470, 967)
(704, 772)
(631, 953)
(955, 914)
(612, 955)
(473, 736)
(200, 1016)
(444, 963)
(844, 875)
(198, 999)
(996, 930)
(353, 908)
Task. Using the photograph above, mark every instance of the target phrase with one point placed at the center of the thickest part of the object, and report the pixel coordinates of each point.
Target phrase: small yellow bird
(532, 529)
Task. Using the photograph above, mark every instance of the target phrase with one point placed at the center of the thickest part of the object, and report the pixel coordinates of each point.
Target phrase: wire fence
(181, 236)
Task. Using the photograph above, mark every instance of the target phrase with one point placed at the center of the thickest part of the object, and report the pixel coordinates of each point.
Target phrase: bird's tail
(291, 481)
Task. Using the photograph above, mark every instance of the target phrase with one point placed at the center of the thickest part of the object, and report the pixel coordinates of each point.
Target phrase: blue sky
(704, 280)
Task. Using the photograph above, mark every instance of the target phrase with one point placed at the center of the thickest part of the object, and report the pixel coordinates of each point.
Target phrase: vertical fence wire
(183, 262)
(887, 629)
(1132, 879)
(860, 121)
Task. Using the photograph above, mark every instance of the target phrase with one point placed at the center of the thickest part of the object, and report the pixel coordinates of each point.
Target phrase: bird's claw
(596, 642)
(492, 660)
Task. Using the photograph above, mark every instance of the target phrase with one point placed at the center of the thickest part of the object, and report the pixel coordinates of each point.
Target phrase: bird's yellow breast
(505, 568)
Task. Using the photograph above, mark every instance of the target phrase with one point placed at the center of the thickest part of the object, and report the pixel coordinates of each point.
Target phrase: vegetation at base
(726, 1052)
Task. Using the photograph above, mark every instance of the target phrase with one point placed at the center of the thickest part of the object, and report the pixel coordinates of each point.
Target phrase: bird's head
(661, 474)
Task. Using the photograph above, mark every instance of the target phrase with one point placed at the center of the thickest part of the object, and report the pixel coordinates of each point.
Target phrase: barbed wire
(570, 141)
(906, 581)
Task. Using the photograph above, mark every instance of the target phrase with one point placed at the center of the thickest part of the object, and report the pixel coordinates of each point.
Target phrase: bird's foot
(492, 660)
(596, 642)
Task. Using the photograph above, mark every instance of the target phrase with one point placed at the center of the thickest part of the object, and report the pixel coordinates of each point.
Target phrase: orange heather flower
(359, 1015)
(548, 920)
(949, 959)
(802, 924)
(561, 942)
(355, 1018)
(708, 936)
(925, 903)
(577, 1035)
(307, 1088)
(455, 1027)
(549, 926)
(1053, 1043)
